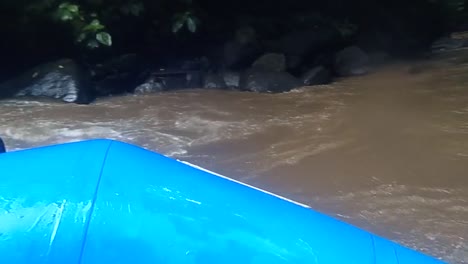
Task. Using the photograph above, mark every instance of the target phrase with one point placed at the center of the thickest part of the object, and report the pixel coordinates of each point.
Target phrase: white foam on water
(207, 131)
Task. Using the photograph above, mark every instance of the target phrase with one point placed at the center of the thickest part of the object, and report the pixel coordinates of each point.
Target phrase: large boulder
(317, 76)
(214, 81)
(351, 61)
(268, 81)
(271, 62)
(62, 79)
(231, 79)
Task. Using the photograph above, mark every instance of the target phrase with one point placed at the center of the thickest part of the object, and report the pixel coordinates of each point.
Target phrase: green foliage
(67, 11)
(93, 26)
(100, 24)
(86, 26)
(186, 18)
(104, 38)
(92, 22)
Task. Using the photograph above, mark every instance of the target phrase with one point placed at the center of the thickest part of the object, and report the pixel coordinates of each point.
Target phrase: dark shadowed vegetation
(213, 36)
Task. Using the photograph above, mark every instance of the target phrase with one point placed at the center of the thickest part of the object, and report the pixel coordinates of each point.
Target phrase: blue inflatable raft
(103, 201)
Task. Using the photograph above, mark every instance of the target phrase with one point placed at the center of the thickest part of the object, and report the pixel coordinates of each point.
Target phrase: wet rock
(351, 61)
(446, 43)
(268, 81)
(151, 85)
(118, 75)
(167, 80)
(271, 62)
(455, 41)
(194, 79)
(62, 79)
(317, 76)
(175, 74)
(214, 81)
(231, 79)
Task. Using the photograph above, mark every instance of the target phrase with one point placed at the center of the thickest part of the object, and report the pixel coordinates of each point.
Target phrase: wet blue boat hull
(104, 201)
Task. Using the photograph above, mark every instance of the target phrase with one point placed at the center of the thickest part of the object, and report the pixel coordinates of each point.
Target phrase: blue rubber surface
(103, 201)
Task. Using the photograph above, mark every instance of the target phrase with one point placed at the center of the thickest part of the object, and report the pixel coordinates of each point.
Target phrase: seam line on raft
(244, 184)
(93, 202)
(374, 250)
(396, 255)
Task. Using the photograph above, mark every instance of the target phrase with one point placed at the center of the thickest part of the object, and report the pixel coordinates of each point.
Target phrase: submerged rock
(62, 79)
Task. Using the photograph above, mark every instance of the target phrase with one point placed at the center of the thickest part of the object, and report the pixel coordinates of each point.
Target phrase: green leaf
(95, 23)
(73, 8)
(191, 24)
(66, 16)
(104, 38)
(93, 26)
(177, 25)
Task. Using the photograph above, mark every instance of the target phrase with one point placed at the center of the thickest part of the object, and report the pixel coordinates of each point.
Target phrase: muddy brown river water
(387, 152)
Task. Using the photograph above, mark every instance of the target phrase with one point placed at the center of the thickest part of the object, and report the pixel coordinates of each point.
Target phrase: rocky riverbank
(309, 57)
